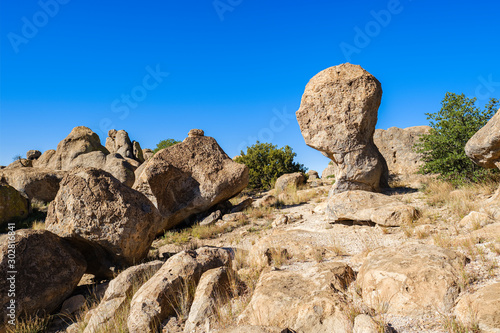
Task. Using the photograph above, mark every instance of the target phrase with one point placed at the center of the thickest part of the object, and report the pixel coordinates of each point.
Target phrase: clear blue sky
(236, 68)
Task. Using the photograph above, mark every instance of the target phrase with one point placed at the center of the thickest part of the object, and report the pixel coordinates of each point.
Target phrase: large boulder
(289, 180)
(481, 307)
(156, 299)
(372, 207)
(147, 153)
(396, 145)
(189, 178)
(484, 146)
(110, 223)
(33, 154)
(36, 183)
(46, 269)
(12, 204)
(411, 279)
(82, 148)
(304, 300)
(118, 294)
(20, 163)
(337, 116)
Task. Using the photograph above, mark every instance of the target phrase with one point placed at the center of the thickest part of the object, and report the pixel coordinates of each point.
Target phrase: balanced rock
(110, 223)
(33, 154)
(337, 116)
(137, 152)
(396, 146)
(484, 146)
(372, 207)
(189, 178)
(154, 301)
(12, 204)
(47, 271)
(289, 181)
(36, 183)
(411, 279)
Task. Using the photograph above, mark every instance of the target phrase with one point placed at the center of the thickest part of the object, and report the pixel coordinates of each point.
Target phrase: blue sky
(234, 68)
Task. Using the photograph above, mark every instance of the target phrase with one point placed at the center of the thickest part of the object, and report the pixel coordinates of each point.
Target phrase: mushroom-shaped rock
(189, 178)
(484, 146)
(337, 116)
(110, 223)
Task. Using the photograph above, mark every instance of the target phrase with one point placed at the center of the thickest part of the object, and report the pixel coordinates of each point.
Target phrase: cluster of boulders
(102, 218)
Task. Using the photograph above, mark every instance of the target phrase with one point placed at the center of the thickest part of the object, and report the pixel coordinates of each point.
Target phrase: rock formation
(154, 301)
(110, 223)
(484, 146)
(37, 184)
(337, 116)
(396, 145)
(47, 271)
(188, 178)
(12, 203)
(289, 180)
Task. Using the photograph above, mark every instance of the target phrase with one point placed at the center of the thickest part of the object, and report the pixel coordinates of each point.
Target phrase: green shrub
(164, 144)
(442, 148)
(266, 163)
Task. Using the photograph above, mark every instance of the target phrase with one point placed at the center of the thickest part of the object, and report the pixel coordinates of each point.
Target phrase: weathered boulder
(110, 223)
(484, 146)
(117, 293)
(12, 204)
(303, 300)
(212, 291)
(36, 183)
(266, 201)
(481, 307)
(337, 116)
(369, 207)
(147, 153)
(189, 178)
(137, 150)
(82, 148)
(329, 171)
(212, 218)
(155, 300)
(312, 174)
(396, 145)
(118, 142)
(33, 154)
(47, 271)
(410, 279)
(289, 180)
(20, 163)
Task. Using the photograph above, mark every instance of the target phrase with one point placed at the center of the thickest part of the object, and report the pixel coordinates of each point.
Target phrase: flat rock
(369, 207)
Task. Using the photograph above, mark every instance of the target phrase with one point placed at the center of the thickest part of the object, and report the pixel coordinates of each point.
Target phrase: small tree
(164, 144)
(442, 148)
(266, 163)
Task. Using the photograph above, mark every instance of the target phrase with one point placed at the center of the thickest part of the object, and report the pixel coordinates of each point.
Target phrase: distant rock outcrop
(396, 145)
(82, 148)
(189, 178)
(337, 116)
(110, 223)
